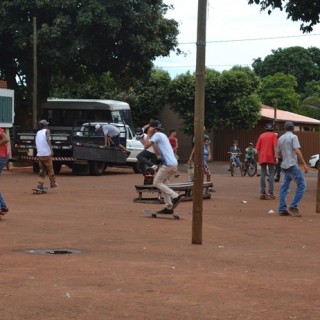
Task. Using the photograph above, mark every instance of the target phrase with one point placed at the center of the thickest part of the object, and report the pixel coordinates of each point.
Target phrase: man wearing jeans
(167, 169)
(267, 147)
(289, 151)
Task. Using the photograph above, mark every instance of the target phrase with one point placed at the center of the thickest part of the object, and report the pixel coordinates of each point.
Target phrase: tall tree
(303, 64)
(230, 99)
(307, 11)
(82, 39)
(279, 90)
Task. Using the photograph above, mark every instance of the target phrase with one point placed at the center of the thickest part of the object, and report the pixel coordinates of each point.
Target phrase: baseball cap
(156, 124)
(289, 125)
(44, 122)
(268, 127)
(98, 126)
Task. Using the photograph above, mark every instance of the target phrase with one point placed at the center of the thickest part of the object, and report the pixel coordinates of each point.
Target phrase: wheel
(81, 169)
(232, 167)
(245, 170)
(154, 215)
(96, 168)
(176, 217)
(252, 169)
(56, 167)
(35, 167)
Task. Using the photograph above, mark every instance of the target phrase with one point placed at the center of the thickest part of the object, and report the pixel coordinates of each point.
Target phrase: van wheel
(56, 167)
(96, 168)
(80, 169)
(35, 167)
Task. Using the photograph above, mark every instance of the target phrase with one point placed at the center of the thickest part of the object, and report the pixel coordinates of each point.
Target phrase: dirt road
(251, 265)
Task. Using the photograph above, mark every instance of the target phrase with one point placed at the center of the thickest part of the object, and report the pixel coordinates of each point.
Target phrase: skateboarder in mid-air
(168, 168)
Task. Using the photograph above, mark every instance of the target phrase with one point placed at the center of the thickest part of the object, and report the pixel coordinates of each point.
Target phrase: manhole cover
(53, 251)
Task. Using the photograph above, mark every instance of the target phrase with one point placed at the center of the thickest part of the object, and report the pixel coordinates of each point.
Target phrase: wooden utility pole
(199, 124)
(35, 77)
(318, 187)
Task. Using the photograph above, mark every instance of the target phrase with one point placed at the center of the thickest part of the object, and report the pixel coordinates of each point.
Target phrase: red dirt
(251, 265)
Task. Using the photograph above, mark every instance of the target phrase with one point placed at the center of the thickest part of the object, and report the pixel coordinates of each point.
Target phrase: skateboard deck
(39, 191)
(154, 214)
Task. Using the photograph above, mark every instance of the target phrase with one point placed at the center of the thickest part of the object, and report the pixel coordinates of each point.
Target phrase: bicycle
(250, 167)
(233, 164)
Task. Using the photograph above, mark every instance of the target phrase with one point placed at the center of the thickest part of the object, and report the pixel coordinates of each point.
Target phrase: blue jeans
(263, 177)
(292, 174)
(3, 162)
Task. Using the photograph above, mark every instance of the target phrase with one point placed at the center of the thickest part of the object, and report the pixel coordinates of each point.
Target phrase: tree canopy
(230, 99)
(303, 64)
(279, 90)
(82, 39)
(307, 11)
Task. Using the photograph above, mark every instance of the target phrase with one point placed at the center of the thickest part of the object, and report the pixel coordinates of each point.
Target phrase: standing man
(289, 151)
(167, 169)
(44, 154)
(3, 161)
(267, 149)
(174, 144)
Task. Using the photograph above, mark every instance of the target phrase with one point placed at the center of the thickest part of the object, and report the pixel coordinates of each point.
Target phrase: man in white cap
(44, 154)
(168, 168)
(289, 150)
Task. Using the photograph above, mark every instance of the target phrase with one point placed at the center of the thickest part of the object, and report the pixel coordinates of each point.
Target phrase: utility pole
(318, 187)
(35, 77)
(199, 124)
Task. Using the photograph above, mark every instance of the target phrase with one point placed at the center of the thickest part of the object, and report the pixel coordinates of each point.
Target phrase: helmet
(268, 127)
(251, 144)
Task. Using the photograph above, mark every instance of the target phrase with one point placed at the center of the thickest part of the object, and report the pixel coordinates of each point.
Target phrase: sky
(231, 27)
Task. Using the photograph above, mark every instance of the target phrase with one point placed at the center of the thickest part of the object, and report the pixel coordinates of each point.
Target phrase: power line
(255, 39)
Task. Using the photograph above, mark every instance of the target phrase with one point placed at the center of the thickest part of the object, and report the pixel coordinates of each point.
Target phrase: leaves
(230, 99)
(307, 11)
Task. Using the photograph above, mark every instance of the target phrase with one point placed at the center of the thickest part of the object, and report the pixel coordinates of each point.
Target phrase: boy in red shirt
(267, 149)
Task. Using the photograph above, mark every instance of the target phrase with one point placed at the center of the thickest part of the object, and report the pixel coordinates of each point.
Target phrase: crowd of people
(161, 155)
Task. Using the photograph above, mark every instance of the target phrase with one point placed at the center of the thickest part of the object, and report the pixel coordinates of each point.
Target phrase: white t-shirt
(110, 130)
(146, 140)
(165, 149)
(43, 148)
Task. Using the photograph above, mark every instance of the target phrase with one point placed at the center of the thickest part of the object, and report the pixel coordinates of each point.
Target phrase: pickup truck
(80, 149)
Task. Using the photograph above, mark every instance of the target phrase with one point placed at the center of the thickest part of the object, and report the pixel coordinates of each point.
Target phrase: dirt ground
(251, 265)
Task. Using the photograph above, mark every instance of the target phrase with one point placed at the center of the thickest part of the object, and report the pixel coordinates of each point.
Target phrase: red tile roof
(282, 116)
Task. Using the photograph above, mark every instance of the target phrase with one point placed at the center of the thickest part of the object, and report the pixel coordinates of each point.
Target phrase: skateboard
(39, 191)
(154, 214)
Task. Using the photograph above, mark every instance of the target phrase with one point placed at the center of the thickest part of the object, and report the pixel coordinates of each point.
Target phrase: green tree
(310, 107)
(78, 40)
(230, 99)
(307, 11)
(279, 90)
(302, 63)
(148, 98)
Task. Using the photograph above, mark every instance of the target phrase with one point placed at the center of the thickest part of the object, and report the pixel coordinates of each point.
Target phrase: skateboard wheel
(154, 215)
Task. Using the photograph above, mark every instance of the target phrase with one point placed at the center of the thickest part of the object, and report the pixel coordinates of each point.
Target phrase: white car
(314, 161)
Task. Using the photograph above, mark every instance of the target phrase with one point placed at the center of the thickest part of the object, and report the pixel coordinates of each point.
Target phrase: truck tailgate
(94, 152)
